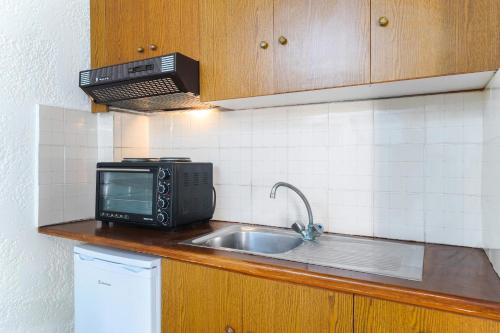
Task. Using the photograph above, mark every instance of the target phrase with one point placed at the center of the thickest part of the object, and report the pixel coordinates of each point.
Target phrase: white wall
(403, 168)
(44, 45)
(491, 173)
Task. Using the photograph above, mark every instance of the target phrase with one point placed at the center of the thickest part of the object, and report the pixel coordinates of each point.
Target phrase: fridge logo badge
(103, 283)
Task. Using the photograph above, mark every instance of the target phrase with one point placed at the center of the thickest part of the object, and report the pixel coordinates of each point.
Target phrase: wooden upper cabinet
(234, 61)
(127, 30)
(379, 316)
(271, 306)
(264, 47)
(119, 28)
(424, 38)
(326, 44)
(117, 31)
(173, 26)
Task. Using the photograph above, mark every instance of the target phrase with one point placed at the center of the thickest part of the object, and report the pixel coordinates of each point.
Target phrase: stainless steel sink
(250, 239)
(367, 255)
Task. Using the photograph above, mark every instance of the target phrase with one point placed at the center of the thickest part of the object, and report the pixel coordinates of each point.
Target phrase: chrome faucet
(312, 230)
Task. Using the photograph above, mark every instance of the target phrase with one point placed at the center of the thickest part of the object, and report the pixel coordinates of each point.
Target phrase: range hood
(165, 83)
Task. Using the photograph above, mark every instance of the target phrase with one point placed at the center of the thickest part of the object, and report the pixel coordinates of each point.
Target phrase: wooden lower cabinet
(379, 316)
(198, 299)
(272, 307)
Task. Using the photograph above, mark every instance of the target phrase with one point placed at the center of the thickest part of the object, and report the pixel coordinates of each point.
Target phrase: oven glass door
(127, 191)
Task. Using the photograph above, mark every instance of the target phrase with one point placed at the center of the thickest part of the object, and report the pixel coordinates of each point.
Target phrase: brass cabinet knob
(229, 329)
(152, 47)
(140, 49)
(264, 45)
(383, 21)
(282, 40)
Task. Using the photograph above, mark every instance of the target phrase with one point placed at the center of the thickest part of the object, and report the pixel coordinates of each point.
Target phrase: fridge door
(113, 297)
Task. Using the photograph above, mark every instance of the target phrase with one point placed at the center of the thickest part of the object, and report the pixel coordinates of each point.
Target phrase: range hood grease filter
(169, 82)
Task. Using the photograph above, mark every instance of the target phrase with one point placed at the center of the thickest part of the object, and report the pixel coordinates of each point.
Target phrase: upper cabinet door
(128, 30)
(321, 44)
(423, 38)
(117, 31)
(172, 26)
(236, 58)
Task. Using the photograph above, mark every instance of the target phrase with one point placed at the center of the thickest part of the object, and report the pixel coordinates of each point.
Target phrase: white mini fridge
(116, 291)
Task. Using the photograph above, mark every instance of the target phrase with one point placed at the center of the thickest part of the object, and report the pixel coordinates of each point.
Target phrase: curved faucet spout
(272, 195)
(312, 230)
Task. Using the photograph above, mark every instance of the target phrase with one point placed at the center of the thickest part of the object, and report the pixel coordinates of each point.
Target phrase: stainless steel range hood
(169, 82)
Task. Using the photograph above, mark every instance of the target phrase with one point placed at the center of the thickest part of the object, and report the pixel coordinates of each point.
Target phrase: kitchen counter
(456, 279)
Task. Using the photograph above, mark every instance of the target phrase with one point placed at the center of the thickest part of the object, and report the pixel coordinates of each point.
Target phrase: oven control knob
(162, 218)
(164, 188)
(164, 174)
(163, 203)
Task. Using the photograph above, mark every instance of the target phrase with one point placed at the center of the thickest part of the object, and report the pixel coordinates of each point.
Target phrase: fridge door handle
(84, 257)
(133, 269)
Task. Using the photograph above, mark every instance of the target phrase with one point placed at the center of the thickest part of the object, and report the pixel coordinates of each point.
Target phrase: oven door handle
(123, 169)
(214, 201)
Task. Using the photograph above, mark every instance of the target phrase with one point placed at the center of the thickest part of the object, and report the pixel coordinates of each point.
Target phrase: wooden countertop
(456, 279)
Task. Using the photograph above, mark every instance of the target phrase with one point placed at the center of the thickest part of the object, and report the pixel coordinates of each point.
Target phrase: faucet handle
(298, 228)
(318, 229)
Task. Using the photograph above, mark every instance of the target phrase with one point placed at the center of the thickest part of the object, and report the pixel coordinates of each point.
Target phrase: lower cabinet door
(198, 299)
(278, 307)
(379, 316)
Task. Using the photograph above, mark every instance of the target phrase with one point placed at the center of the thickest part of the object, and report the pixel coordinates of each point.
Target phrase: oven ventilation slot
(196, 179)
(187, 179)
(204, 178)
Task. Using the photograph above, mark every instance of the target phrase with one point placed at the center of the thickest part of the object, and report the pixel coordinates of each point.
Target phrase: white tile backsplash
(269, 127)
(235, 164)
(234, 203)
(404, 168)
(307, 126)
(235, 129)
(269, 165)
(351, 168)
(399, 168)
(105, 137)
(490, 186)
(269, 211)
(51, 203)
(67, 156)
(134, 131)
